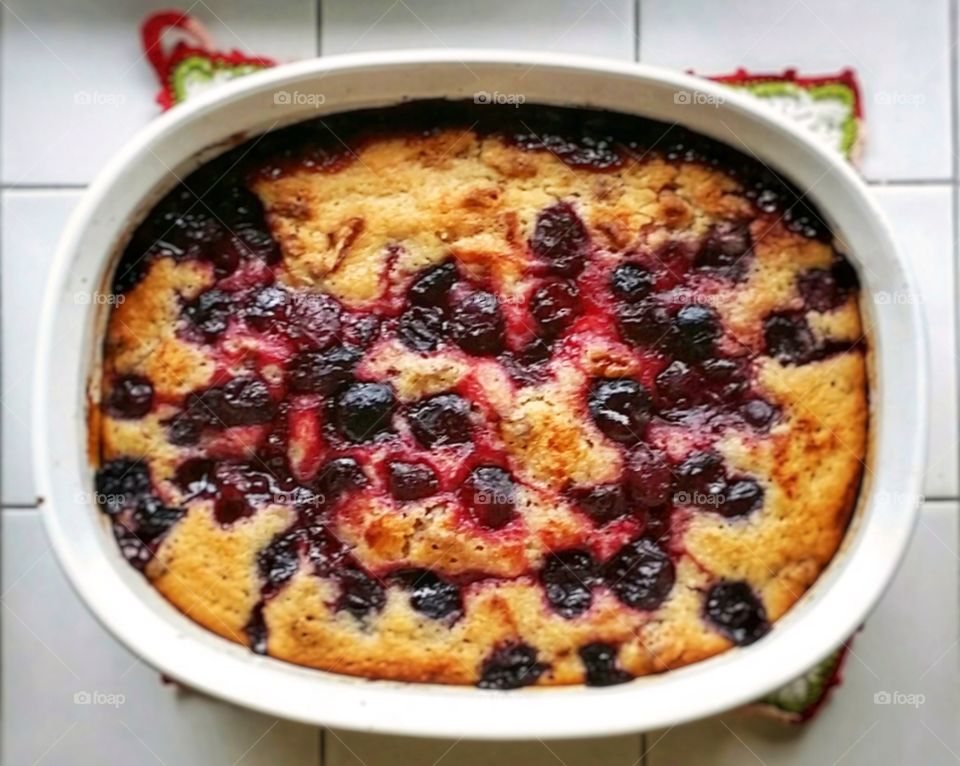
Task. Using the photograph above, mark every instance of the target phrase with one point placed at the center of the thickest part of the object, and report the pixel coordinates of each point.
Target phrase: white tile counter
(74, 87)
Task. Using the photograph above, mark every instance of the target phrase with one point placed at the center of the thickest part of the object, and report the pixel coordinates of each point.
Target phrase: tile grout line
(953, 19)
(2, 455)
(318, 43)
(43, 187)
(636, 30)
(901, 182)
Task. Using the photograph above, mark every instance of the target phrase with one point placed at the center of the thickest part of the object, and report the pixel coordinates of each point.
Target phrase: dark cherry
(234, 204)
(322, 372)
(477, 325)
(758, 413)
(720, 370)
(741, 497)
(225, 256)
(734, 610)
(185, 428)
(363, 411)
(272, 450)
(359, 330)
(825, 290)
(130, 397)
(657, 526)
(240, 488)
(191, 230)
(265, 306)
(567, 578)
(432, 596)
(802, 219)
(132, 548)
(196, 478)
(240, 402)
(560, 240)
(600, 664)
(537, 351)
(120, 484)
(554, 306)
(411, 481)
(725, 247)
(440, 420)
(648, 476)
(315, 316)
(256, 631)
(604, 503)
(210, 312)
(645, 323)
(641, 574)
(360, 594)
(620, 407)
(490, 494)
(699, 471)
(631, 282)
(257, 242)
(586, 146)
(511, 666)
(279, 561)
(818, 290)
(695, 329)
(340, 475)
(726, 377)
(844, 275)
(433, 285)
(788, 338)
(153, 519)
(679, 385)
(421, 328)
(325, 551)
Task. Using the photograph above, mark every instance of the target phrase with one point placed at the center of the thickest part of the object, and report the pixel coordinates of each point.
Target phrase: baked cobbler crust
(484, 403)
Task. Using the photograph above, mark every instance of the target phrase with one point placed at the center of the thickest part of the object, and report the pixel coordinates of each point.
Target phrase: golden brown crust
(476, 198)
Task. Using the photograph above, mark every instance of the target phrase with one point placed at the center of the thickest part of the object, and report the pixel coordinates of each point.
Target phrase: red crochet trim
(198, 42)
(845, 77)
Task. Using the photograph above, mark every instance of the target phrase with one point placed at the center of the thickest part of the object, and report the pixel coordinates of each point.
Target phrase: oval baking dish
(186, 138)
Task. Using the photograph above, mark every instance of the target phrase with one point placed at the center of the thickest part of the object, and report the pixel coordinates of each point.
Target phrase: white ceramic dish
(180, 140)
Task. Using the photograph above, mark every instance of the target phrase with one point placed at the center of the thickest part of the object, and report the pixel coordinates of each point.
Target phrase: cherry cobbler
(482, 395)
